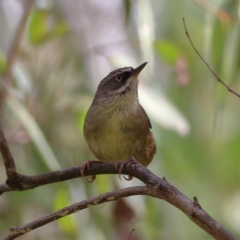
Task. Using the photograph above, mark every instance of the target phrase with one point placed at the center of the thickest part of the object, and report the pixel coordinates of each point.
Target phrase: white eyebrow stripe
(120, 71)
(126, 69)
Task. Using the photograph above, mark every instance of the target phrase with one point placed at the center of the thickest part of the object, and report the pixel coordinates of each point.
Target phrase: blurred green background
(65, 49)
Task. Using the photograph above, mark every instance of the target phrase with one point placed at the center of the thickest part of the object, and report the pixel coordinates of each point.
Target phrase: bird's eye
(118, 78)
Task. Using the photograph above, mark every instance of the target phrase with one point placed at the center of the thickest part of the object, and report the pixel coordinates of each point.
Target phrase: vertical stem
(13, 51)
(7, 158)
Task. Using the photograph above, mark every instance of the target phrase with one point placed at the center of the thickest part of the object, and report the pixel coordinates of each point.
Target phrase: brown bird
(117, 127)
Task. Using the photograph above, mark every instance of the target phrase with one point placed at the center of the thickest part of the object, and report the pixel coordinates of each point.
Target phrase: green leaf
(80, 121)
(60, 29)
(38, 28)
(3, 63)
(127, 7)
(168, 51)
(67, 223)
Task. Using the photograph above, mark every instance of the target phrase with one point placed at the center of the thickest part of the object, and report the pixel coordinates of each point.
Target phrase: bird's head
(121, 84)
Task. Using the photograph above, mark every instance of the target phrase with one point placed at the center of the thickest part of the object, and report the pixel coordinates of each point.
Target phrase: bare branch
(30, 182)
(215, 75)
(131, 234)
(7, 159)
(103, 198)
(25, 182)
(155, 187)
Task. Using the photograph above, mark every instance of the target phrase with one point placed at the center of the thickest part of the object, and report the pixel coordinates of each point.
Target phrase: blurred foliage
(168, 51)
(42, 27)
(127, 7)
(3, 63)
(61, 59)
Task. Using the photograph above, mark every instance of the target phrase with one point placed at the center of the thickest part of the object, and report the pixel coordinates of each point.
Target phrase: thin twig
(103, 198)
(131, 234)
(208, 66)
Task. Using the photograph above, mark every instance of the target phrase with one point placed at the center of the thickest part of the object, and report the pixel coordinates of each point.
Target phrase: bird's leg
(87, 165)
(121, 165)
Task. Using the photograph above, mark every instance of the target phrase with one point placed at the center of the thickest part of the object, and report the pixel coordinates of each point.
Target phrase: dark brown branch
(29, 182)
(155, 187)
(215, 75)
(7, 159)
(103, 198)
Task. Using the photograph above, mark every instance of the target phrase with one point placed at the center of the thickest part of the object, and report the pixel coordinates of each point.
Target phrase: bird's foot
(86, 165)
(120, 166)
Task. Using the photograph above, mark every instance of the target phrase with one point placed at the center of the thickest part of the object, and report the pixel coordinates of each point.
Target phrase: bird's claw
(121, 165)
(85, 166)
(129, 178)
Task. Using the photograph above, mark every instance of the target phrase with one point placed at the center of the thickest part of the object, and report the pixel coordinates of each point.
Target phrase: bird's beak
(135, 72)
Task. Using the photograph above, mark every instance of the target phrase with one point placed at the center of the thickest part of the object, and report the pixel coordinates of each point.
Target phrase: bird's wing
(146, 117)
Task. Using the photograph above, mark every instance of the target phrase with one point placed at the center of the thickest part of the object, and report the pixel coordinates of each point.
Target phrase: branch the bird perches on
(154, 186)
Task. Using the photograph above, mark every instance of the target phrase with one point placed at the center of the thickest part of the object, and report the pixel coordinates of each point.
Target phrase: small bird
(116, 126)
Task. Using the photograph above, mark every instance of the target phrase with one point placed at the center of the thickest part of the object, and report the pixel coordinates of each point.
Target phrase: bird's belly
(119, 139)
(110, 144)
